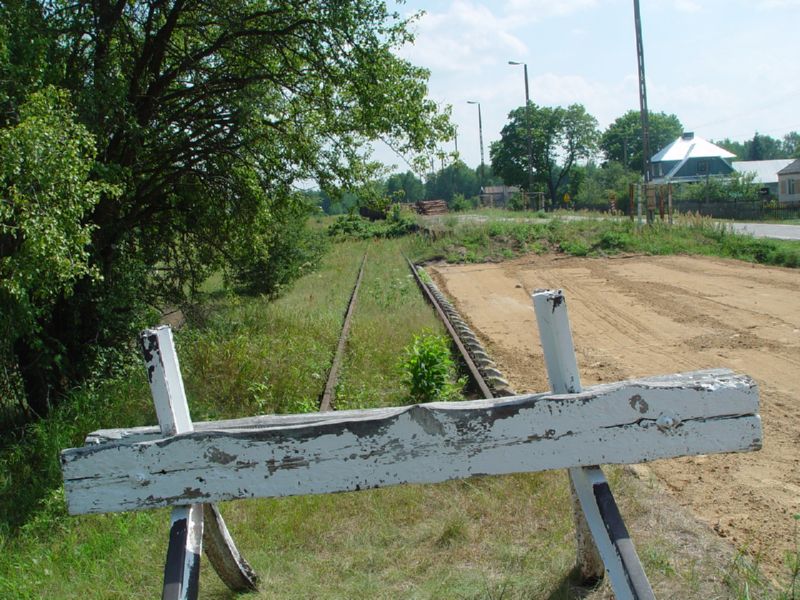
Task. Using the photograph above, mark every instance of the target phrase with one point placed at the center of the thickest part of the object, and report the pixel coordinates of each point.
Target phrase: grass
(503, 537)
(469, 241)
(390, 310)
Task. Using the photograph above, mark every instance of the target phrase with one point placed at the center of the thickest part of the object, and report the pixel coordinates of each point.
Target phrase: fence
(182, 464)
(740, 210)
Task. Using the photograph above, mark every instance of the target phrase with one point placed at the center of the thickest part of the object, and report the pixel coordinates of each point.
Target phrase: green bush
(429, 371)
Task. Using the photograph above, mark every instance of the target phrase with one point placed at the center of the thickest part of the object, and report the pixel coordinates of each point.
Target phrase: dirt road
(637, 316)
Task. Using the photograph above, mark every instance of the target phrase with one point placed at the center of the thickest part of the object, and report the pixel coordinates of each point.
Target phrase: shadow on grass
(571, 587)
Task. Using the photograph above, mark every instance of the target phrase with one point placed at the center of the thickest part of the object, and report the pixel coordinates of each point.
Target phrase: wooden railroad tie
(190, 466)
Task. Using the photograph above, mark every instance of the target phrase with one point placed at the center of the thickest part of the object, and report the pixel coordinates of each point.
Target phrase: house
(765, 171)
(789, 179)
(497, 195)
(690, 158)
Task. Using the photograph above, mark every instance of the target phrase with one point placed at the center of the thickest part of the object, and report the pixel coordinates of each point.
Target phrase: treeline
(146, 144)
(453, 182)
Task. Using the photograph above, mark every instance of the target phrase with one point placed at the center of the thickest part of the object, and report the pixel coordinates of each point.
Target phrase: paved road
(767, 230)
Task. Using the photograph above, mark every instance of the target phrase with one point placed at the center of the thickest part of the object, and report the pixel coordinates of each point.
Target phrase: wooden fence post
(187, 534)
(594, 510)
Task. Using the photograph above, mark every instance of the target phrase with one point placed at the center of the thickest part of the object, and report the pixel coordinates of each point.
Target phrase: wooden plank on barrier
(629, 422)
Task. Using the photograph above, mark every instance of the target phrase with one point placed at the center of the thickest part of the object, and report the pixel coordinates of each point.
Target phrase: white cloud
(688, 6)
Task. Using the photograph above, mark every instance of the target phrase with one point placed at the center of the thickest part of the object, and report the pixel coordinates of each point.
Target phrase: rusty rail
(326, 403)
(474, 372)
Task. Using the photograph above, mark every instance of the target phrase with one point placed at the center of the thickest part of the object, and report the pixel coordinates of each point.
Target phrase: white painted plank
(419, 444)
(738, 396)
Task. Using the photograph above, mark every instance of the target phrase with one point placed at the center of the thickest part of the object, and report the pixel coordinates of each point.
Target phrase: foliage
(407, 184)
(622, 140)
(762, 147)
(738, 187)
(597, 184)
(455, 178)
(428, 370)
(560, 138)
(460, 203)
(398, 223)
(517, 202)
(46, 196)
(204, 115)
(278, 250)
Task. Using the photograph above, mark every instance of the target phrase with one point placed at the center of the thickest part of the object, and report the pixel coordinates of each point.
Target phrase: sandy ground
(636, 316)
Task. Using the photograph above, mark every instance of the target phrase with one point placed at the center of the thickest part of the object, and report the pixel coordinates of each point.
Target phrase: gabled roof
(766, 170)
(689, 146)
(792, 169)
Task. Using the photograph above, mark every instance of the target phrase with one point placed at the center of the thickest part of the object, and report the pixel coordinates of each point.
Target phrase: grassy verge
(504, 537)
(496, 240)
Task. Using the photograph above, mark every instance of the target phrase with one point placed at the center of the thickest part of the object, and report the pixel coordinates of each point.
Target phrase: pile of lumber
(432, 207)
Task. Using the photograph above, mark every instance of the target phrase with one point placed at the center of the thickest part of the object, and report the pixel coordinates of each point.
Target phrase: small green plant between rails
(429, 371)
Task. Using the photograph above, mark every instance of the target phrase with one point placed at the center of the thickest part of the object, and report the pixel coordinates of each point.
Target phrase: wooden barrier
(627, 422)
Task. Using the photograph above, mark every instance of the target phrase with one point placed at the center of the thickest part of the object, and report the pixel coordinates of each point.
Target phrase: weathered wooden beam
(630, 422)
(603, 543)
(194, 524)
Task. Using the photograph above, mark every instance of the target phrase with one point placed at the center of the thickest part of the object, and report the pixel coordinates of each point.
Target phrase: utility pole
(642, 93)
(480, 137)
(530, 132)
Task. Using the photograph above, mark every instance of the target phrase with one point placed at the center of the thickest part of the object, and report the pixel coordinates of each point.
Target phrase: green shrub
(429, 371)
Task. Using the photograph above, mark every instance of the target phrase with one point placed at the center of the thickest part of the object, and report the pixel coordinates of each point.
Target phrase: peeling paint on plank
(717, 412)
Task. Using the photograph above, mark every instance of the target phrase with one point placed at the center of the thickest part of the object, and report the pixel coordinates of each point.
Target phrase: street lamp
(530, 132)
(480, 135)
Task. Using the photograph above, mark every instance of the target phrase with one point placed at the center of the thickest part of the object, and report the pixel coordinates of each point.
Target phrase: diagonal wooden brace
(603, 542)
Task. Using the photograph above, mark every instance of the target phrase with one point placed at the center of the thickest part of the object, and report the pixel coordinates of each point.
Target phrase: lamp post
(480, 135)
(530, 132)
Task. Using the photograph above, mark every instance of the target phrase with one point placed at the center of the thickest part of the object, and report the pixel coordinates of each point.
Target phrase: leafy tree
(791, 145)
(764, 147)
(455, 178)
(740, 149)
(406, 186)
(597, 183)
(622, 140)
(761, 147)
(560, 138)
(45, 197)
(204, 115)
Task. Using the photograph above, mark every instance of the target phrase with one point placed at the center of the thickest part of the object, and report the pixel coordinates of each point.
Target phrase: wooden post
(669, 201)
(594, 510)
(182, 569)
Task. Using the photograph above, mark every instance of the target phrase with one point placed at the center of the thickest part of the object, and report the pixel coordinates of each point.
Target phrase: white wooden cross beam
(627, 422)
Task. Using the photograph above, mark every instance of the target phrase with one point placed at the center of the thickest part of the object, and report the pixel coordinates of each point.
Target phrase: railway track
(327, 401)
(483, 372)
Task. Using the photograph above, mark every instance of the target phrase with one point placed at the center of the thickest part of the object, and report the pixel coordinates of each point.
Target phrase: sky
(726, 68)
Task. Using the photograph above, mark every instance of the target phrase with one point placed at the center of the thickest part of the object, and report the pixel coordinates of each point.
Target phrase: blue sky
(726, 68)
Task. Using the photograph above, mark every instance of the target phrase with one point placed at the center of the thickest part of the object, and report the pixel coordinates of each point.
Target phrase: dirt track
(637, 316)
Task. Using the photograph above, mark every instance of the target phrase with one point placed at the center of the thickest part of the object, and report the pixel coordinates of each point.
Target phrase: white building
(789, 179)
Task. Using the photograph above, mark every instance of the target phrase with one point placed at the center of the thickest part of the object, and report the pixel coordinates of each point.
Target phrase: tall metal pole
(530, 130)
(642, 93)
(480, 135)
